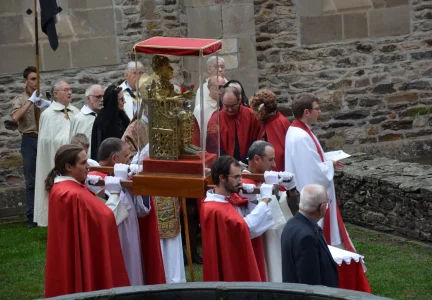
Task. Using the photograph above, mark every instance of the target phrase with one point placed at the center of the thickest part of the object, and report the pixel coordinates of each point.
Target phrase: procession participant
(111, 121)
(304, 157)
(81, 140)
(275, 125)
(226, 227)
(24, 112)
(215, 67)
(136, 135)
(236, 126)
(83, 121)
(261, 160)
(83, 246)
(237, 84)
(134, 71)
(54, 131)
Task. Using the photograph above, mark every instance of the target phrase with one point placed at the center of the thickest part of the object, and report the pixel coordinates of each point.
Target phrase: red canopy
(178, 46)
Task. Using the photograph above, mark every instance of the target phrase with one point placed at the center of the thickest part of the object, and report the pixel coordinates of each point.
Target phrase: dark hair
(257, 148)
(302, 102)
(245, 100)
(158, 61)
(66, 154)
(222, 166)
(266, 97)
(109, 147)
(28, 70)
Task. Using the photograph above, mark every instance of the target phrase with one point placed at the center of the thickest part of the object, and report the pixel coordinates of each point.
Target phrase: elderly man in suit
(305, 255)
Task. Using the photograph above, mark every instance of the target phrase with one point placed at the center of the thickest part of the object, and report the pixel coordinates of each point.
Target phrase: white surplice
(172, 254)
(302, 159)
(83, 123)
(54, 132)
(209, 107)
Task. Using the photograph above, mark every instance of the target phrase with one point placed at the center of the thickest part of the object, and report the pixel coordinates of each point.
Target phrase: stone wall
(386, 195)
(373, 77)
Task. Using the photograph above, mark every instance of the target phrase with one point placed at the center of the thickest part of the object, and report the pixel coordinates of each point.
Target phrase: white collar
(145, 118)
(86, 110)
(58, 106)
(65, 178)
(211, 196)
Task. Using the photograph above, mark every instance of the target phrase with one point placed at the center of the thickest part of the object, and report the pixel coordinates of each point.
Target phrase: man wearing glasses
(227, 233)
(237, 125)
(54, 130)
(134, 71)
(305, 158)
(83, 121)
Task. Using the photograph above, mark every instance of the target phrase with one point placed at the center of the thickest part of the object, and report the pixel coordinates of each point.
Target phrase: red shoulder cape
(83, 247)
(228, 254)
(247, 127)
(276, 128)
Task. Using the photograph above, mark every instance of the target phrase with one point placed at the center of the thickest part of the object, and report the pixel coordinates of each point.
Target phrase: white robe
(209, 107)
(302, 159)
(54, 130)
(172, 255)
(129, 106)
(83, 123)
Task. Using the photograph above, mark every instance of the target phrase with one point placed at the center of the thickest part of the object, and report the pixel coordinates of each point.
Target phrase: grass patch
(396, 269)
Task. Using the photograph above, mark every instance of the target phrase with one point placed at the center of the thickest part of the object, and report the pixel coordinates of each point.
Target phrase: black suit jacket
(305, 255)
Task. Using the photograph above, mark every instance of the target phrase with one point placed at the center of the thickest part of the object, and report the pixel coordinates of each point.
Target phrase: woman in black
(112, 120)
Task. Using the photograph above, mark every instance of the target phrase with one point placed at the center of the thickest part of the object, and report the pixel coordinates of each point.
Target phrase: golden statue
(170, 125)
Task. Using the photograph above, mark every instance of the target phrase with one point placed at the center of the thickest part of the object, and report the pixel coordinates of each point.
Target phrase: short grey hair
(56, 85)
(90, 89)
(109, 147)
(212, 61)
(257, 148)
(237, 86)
(311, 196)
(132, 65)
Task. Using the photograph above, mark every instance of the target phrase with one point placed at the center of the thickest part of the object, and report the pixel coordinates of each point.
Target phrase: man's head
(162, 67)
(263, 103)
(94, 95)
(133, 72)
(113, 151)
(30, 78)
(314, 201)
(306, 108)
(261, 157)
(230, 99)
(215, 83)
(226, 174)
(62, 92)
(216, 65)
(80, 139)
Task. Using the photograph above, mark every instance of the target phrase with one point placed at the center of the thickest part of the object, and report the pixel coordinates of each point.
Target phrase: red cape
(228, 254)
(247, 127)
(83, 247)
(275, 129)
(154, 272)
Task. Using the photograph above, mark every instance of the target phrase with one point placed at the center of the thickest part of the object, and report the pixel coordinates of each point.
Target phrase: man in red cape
(228, 252)
(148, 228)
(237, 126)
(274, 124)
(83, 247)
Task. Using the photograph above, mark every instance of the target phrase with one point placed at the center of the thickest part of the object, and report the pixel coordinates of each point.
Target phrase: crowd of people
(101, 235)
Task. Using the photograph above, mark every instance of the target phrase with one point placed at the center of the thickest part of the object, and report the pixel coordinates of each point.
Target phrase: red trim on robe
(83, 248)
(275, 128)
(299, 124)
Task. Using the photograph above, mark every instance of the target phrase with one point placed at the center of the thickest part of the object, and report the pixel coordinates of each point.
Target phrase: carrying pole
(188, 248)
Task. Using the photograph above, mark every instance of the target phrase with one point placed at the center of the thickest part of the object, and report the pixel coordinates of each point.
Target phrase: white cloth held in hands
(266, 190)
(248, 187)
(287, 180)
(90, 182)
(121, 171)
(271, 177)
(135, 169)
(112, 184)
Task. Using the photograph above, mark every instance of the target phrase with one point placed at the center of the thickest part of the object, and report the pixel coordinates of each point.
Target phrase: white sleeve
(142, 205)
(117, 207)
(259, 220)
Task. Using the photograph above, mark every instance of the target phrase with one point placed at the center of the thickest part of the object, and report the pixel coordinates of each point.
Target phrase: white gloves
(135, 169)
(287, 180)
(34, 98)
(266, 190)
(121, 171)
(90, 184)
(271, 177)
(42, 103)
(248, 187)
(112, 184)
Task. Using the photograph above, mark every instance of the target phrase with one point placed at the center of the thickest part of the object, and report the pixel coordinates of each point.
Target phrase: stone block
(13, 7)
(397, 124)
(12, 202)
(229, 46)
(328, 7)
(84, 54)
(248, 78)
(238, 20)
(15, 58)
(205, 22)
(147, 9)
(89, 4)
(391, 3)
(390, 137)
(390, 21)
(197, 3)
(402, 98)
(352, 5)
(98, 21)
(355, 26)
(385, 88)
(247, 52)
(309, 8)
(231, 61)
(320, 29)
(13, 30)
(55, 60)
(378, 3)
